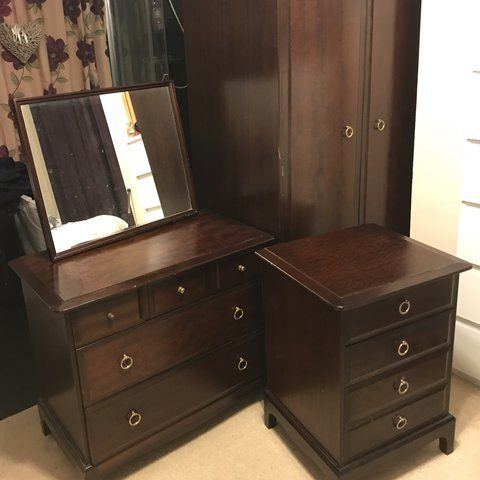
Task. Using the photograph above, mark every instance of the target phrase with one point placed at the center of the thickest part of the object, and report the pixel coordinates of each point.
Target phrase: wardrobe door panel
(326, 68)
(232, 67)
(391, 112)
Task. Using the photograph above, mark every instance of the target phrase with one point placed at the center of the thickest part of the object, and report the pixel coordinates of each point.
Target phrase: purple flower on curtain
(71, 9)
(11, 114)
(51, 90)
(17, 64)
(97, 7)
(5, 9)
(4, 151)
(56, 52)
(37, 2)
(85, 52)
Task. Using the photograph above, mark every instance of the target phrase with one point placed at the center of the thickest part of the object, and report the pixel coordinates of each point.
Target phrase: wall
(449, 52)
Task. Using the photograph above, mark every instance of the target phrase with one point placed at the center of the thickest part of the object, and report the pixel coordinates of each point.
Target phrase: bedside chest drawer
(396, 388)
(180, 290)
(419, 301)
(389, 349)
(238, 270)
(396, 424)
(116, 423)
(105, 318)
(120, 361)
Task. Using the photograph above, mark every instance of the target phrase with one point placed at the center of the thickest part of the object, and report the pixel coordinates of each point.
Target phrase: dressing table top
(330, 266)
(134, 262)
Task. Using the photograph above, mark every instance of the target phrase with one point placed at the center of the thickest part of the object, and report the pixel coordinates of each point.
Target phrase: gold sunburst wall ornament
(21, 40)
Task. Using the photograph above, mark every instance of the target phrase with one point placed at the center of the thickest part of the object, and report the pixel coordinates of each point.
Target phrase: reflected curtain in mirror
(83, 168)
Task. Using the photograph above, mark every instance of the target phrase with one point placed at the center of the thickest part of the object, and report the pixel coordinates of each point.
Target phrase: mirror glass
(106, 163)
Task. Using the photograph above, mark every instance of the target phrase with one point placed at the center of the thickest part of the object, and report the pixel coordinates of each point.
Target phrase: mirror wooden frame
(28, 158)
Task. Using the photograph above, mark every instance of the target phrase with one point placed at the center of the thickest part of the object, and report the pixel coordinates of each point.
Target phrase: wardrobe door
(327, 40)
(391, 112)
(232, 69)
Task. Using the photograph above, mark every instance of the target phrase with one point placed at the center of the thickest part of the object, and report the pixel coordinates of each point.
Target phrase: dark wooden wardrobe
(302, 112)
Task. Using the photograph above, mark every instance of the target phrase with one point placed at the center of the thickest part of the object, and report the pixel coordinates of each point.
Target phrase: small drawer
(392, 348)
(120, 361)
(238, 270)
(180, 290)
(393, 311)
(396, 424)
(105, 318)
(397, 388)
(123, 420)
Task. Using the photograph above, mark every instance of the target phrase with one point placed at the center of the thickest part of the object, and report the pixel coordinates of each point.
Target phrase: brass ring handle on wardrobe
(348, 131)
(379, 125)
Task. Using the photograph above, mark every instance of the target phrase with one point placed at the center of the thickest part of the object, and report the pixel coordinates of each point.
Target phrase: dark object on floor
(17, 386)
(18, 389)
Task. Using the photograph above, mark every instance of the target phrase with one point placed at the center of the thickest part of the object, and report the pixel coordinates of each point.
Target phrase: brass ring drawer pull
(242, 268)
(404, 307)
(380, 125)
(238, 313)
(126, 362)
(181, 290)
(400, 423)
(403, 348)
(348, 131)
(242, 364)
(110, 316)
(403, 386)
(134, 418)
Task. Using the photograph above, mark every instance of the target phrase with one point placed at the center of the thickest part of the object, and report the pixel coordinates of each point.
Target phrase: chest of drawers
(141, 341)
(359, 337)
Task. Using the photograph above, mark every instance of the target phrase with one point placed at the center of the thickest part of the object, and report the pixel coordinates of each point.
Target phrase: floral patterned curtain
(72, 56)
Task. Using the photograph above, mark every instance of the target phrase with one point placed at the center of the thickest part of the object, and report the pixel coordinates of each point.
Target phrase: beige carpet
(239, 447)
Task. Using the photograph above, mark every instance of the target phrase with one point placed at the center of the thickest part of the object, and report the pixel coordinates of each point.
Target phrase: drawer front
(115, 363)
(238, 270)
(398, 309)
(389, 349)
(170, 397)
(396, 424)
(180, 290)
(105, 318)
(397, 388)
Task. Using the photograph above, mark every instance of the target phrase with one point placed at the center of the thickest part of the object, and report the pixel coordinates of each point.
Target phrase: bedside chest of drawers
(359, 336)
(141, 341)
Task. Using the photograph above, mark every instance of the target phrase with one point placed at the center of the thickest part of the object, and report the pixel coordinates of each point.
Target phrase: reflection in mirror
(107, 162)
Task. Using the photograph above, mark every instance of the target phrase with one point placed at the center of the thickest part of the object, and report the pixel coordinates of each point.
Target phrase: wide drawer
(402, 308)
(396, 424)
(389, 349)
(180, 290)
(238, 270)
(123, 420)
(113, 364)
(397, 388)
(105, 318)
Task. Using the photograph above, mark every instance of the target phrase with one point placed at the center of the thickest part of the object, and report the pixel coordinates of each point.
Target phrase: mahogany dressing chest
(141, 341)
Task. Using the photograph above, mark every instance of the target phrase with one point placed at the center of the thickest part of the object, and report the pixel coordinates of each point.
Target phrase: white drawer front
(471, 174)
(469, 296)
(473, 108)
(466, 354)
(469, 234)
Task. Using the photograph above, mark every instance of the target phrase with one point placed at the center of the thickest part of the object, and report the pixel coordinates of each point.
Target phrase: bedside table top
(356, 266)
